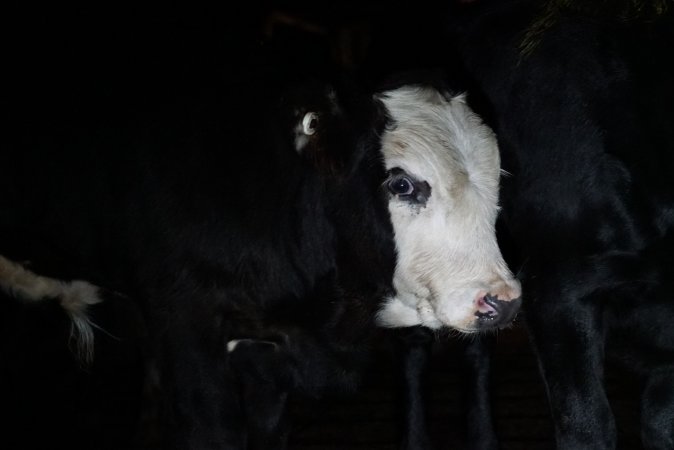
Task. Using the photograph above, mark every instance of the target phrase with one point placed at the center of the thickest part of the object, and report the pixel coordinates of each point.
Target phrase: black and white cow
(262, 230)
(581, 95)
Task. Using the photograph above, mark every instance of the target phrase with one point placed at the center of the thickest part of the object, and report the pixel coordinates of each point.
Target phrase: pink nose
(499, 307)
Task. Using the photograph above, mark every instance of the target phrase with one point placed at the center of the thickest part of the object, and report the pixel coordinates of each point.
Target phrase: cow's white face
(444, 168)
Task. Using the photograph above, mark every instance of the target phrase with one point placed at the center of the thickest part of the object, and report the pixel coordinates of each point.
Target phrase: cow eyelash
(400, 185)
(405, 187)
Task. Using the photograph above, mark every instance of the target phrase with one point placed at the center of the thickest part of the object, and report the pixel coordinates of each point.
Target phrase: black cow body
(248, 209)
(256, 238)
(223, 231)
(583, 107)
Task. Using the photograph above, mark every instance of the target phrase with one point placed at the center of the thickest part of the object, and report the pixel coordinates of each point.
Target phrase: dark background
(137, 54)
(85, 66)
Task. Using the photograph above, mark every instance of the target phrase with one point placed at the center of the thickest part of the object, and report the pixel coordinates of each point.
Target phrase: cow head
(327, 124)
(433, 168)
(443, 182)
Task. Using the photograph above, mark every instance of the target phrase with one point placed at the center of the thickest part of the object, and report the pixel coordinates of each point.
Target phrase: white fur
(447, 250)
(303, 130)
(307, 128)
(301, 139)
(234, 343)
(74, 296)
(231, 345)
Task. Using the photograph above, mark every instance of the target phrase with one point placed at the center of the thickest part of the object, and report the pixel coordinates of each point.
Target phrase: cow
(265, 221)
(580, 96)
(262, 259)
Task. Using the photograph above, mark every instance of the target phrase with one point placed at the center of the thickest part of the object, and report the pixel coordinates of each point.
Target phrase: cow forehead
(440, 140)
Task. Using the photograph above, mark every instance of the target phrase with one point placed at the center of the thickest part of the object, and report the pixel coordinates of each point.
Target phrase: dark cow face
(326, 130)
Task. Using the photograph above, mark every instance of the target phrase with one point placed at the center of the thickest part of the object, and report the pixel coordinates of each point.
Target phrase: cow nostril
(486, 308)
(493, 302)
(493, 312)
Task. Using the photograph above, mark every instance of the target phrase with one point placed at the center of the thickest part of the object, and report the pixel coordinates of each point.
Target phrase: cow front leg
(200, 398)
(265, 375)
(568, 339)
(480, 432)
(416, 352)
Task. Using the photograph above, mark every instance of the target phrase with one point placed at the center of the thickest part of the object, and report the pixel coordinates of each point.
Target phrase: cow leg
(416, 348)
(263, 372)
(568, 338)
(266, 424)
(480, 431)
(657, 410)
(202, 409)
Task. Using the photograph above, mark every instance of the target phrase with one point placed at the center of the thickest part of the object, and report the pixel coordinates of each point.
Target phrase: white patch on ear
(309, 123)
(74, 296)
(305, 128)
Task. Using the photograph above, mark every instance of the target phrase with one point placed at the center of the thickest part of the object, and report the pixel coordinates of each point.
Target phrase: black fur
(584, 115)
(203, 210)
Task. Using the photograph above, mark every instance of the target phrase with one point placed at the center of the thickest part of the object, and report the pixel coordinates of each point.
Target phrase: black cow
(581, 95)
(263, 223)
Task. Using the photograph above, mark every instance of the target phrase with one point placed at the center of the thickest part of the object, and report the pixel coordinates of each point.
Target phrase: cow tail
(81, 295)
(75, 297)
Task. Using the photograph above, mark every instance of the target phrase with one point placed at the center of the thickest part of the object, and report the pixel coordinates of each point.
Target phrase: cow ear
(306, 127)
(328, 132)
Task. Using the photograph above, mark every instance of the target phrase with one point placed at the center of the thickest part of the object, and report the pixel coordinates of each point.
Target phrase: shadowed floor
(369, 419)
(50, 401)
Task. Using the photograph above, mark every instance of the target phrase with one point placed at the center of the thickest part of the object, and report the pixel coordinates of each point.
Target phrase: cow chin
(396, 313)
(465, 310)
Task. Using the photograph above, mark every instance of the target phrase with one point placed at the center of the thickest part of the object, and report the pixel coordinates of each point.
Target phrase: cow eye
(309, 123)
(407, 188)
(401, 185)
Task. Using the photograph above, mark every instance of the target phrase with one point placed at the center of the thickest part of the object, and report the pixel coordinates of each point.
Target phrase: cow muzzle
(498, 309)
